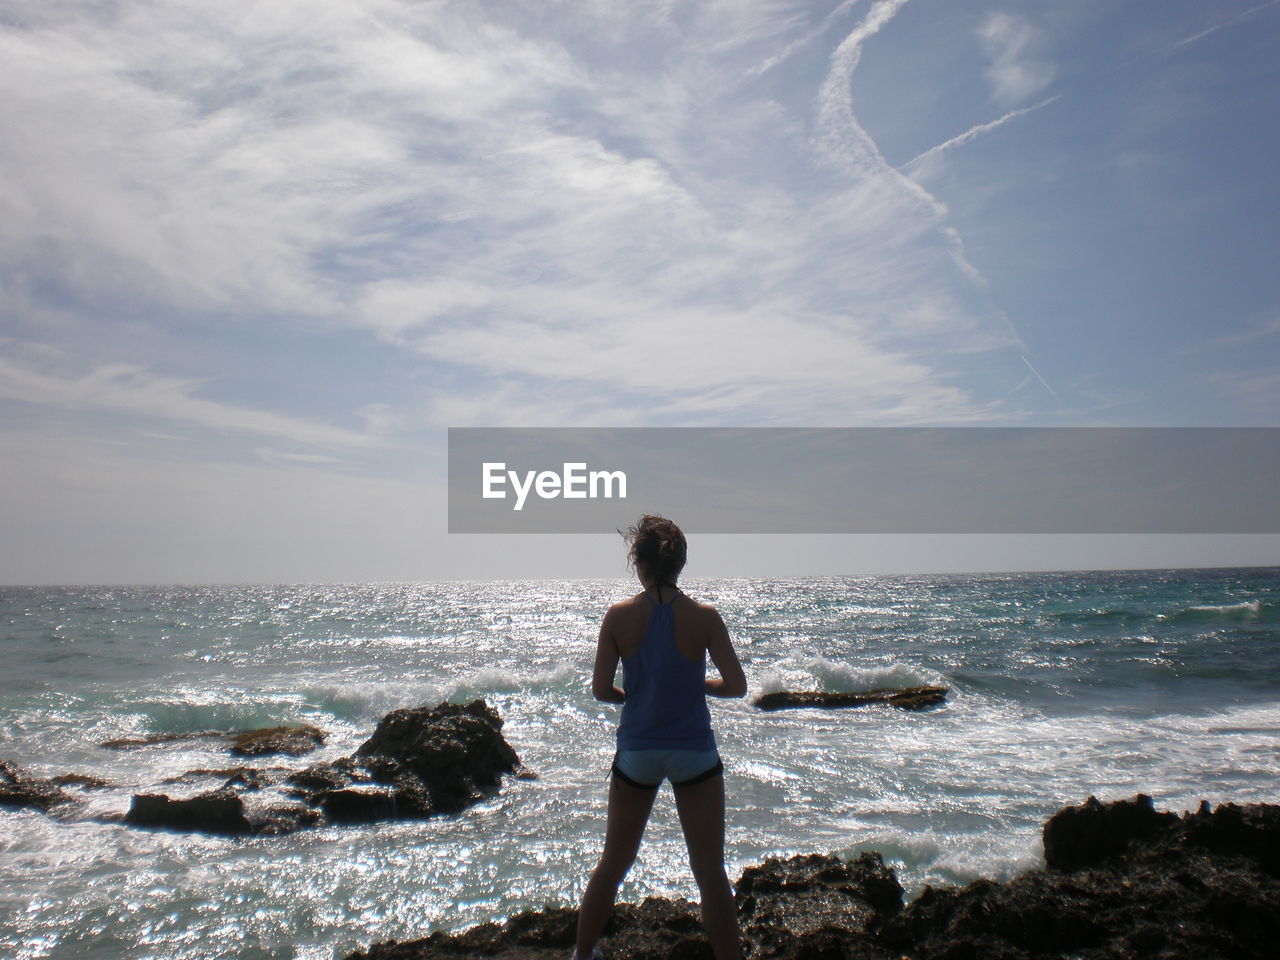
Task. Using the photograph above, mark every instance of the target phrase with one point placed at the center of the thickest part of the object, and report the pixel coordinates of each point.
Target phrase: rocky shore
(418, 763)
(1121, 881)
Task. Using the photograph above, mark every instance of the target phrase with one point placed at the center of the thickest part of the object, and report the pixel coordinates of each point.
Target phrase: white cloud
(1010, 42)
(508, 197)
(129, 389)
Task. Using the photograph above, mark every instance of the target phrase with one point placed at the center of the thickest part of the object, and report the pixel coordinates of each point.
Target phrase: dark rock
(418, 763)
(1082, 836)
(292, 740)
(657, 929)
(281, 819)
(1124, 881)
(218, 811)
(1251, 831)
(362, 804)
(18, 788)
(333, 775)
(1199, 887)
(805, 907)
(457, 752)
(88, 781)
(911, 698)
(815, 905)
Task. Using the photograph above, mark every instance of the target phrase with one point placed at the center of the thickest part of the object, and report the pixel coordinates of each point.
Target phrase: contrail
(979, 130)
(1038, 377)
(844, 140)
(1225, 23)
(795, 45)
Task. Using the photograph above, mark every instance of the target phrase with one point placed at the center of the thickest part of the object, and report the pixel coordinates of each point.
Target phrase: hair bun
(659, 545)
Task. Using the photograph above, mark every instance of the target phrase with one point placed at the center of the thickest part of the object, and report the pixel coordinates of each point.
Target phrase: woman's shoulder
(626, 607)
(699, 609)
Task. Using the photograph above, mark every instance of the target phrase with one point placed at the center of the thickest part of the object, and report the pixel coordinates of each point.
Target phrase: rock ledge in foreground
(1125, 882)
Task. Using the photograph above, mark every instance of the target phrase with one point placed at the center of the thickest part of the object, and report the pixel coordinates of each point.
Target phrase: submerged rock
(85, 780)
(18, 788)
(911, 698)
(238, 778)
(294, 740)
(291, 740)
(152, 739)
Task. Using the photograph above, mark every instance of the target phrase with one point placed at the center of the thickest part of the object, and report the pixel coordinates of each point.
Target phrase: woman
(662, 638)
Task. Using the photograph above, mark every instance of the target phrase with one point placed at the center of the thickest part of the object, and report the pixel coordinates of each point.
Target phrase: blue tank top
(666, 699)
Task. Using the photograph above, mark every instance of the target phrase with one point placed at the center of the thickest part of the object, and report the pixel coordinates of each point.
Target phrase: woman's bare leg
(628, 814)
(701, 808)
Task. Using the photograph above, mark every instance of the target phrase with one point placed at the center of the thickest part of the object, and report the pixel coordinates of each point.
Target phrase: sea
(1062, 686)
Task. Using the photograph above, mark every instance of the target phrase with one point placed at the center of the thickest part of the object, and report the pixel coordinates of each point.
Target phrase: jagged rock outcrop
(1124, 882)
(1121, 880)
(452, 753)
(419, 763)
(910, 698)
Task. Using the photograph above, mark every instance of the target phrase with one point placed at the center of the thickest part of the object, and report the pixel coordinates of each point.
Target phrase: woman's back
(693, 623)
(666, 703)
(662, 638)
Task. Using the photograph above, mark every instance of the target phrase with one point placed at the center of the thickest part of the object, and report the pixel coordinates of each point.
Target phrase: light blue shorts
(646, 769)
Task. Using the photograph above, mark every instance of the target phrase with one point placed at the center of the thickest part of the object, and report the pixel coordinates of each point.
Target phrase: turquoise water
(1063, 685)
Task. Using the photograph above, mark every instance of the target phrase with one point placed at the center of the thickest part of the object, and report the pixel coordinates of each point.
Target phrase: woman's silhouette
(663, 638)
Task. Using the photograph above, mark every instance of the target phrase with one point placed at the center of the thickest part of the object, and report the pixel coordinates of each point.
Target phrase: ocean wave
(192, 710)
(1246, 610)
(834, 676)
(494, 680)
(368, 701)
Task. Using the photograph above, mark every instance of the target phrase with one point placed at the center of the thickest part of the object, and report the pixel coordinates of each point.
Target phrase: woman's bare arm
(606, 668)
(732, 682)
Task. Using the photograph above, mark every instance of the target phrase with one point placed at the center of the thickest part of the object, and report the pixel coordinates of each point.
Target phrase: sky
(256, 258)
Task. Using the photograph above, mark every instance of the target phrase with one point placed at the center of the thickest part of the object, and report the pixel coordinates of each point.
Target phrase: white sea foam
(1246, 607)
(824, 673)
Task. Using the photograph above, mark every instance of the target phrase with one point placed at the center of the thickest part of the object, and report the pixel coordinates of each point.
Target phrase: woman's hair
(658, 544)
